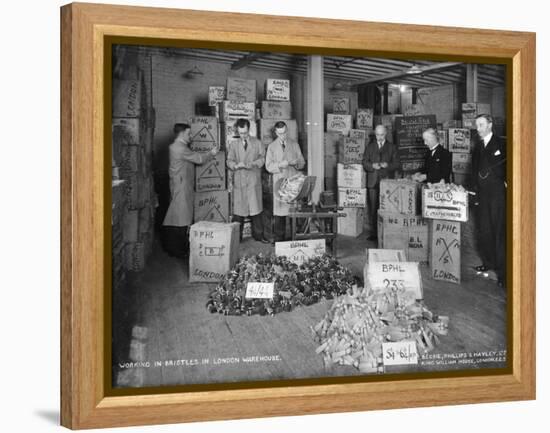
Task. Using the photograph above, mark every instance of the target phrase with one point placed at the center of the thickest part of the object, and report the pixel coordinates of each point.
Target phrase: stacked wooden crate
(274, 108)
(460, 146)
(132, 154)
(117, 238)
(211, 194)
(446, 206)
(399, 224)
(352, 196)
(411, 147)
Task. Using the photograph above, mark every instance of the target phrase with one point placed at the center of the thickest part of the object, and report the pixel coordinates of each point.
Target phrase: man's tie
(380, 145)
(283, 144)
(245, 144)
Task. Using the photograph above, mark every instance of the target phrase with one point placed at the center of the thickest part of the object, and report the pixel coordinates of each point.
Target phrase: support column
(471, 83)
(315, 124)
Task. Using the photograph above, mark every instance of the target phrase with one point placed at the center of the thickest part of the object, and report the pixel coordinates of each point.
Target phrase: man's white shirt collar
(487, 138)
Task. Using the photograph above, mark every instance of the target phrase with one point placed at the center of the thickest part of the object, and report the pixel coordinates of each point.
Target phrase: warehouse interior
(163, 333)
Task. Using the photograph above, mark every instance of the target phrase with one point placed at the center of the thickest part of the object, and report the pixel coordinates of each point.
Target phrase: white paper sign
(259, 290)
(300, 251)
(400, 276)
(399, 353)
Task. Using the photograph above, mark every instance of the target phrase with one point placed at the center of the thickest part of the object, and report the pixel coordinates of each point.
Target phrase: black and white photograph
(284, 216)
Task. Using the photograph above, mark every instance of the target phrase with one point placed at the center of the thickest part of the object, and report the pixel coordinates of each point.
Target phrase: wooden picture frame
(84, 27)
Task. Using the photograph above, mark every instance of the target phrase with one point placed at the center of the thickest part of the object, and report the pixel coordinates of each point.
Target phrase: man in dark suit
(380, 161)
(489, 181)
(438, 164)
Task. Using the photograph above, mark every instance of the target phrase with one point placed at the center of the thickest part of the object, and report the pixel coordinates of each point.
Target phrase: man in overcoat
(246, 157)
(284, 159)
(182, 190)
(489, 181)
(380, 161)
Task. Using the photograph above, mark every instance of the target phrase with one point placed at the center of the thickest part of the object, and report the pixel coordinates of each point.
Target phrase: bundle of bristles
(318, 278)
(353, 330)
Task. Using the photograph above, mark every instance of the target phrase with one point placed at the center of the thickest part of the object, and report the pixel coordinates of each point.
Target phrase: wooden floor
(184, 344)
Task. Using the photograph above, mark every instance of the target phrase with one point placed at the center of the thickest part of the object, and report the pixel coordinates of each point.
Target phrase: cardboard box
(359, 134)
(400, 275)
(473, 109)
(216, 94)
(204, 133)
(404, 232)
(146, 220)
(352, 151)
(339, 123)
(468, 123)
(233, 110)
(443, 136)
(214, 249)
(459, 140)
(134, 256)
(352, 197)
(277, 89)
(365, 118)
(300, 251)
(352, 223)
(118, 200)
(445, 247)
(267, 133)
(279, 110)
(399, 196)
(128, 132)
(444, 202)
(332, 142)
(340, 105)
(130, 225)
(381, 255)
(131, 161)
(351, 176)
(211, 206)
(126, 98)
(448, 124)
(241, 89)
(135, 189)
(211, 175)
(462, 163)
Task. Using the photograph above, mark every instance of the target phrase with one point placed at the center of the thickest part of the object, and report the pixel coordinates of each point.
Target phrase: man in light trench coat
(182, 190)
(284, 158)
(246, 157)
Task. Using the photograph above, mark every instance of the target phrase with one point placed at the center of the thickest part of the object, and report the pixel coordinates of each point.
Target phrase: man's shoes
(482, 270)
(262, 240)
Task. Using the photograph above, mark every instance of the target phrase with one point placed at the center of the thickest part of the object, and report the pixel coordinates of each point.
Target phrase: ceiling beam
(403, 73)
(247, 60)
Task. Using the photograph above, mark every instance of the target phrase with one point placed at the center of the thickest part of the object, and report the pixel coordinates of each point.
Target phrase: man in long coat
(489, 181)
(246, 157)
(380, 162)
(284, 158)
(182, 186)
